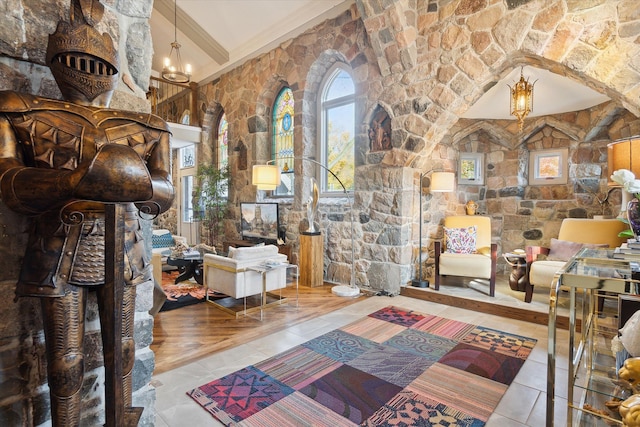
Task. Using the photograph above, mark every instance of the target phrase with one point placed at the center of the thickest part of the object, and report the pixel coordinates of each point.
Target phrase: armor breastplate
(60, 140)
(59, 135)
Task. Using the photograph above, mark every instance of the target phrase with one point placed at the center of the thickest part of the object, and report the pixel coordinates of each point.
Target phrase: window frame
(478, 168)
(322, 174)
(535, 177)
(274, 153)
(218, 159)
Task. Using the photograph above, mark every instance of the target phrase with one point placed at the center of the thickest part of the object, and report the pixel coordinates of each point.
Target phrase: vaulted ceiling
(218, 35)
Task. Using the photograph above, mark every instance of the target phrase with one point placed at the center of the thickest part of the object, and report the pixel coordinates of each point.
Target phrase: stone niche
(25, 397)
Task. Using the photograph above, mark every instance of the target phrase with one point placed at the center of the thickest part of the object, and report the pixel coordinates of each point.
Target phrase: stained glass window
(283, 140)
(338, 131)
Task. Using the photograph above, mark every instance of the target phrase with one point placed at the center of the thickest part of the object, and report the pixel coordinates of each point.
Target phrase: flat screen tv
(259, 221)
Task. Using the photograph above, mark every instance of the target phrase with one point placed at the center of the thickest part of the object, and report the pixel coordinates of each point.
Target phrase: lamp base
(420, 283)
(345, 291)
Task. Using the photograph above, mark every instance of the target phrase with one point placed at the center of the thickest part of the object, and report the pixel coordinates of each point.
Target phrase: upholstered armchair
(574, 234)
(232, 275)
(161, 243)
(467, 250)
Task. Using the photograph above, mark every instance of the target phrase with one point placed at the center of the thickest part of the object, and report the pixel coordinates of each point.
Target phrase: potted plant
(210, 201)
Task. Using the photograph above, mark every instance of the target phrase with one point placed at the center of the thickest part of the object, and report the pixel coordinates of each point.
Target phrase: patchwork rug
(393, 367)
(184, 293)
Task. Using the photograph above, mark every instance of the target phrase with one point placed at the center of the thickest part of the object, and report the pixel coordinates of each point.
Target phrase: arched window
(337, 127)
(223, 147)
(282, 125)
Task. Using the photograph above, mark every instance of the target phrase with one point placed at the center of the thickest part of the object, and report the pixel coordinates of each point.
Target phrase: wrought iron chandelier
(172, 69)
(521, 100)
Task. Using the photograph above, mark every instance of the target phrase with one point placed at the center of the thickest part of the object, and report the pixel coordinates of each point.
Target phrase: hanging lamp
(521, 100)
(172, 70)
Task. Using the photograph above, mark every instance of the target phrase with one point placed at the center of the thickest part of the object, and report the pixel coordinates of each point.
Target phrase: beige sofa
(232, 275)
(575, 233)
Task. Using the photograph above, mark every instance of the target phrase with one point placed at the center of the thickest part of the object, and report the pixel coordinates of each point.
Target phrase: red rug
(184, 293)
(394, 367)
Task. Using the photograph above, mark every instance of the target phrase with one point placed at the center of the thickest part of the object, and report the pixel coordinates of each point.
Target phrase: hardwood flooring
(189, 333)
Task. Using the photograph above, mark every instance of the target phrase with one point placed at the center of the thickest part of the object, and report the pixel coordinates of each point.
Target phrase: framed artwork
(471, 169)
(548, 167)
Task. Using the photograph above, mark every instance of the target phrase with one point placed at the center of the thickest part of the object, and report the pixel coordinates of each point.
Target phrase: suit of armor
(64, 163)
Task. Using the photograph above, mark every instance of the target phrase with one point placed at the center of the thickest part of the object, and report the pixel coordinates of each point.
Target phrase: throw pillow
(162, 240)
(562, 250)
(460, 240)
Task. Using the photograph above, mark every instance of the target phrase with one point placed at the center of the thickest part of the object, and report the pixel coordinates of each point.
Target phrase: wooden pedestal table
(311, 259)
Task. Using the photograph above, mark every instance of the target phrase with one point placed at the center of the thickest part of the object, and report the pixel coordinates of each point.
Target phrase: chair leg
(528, 292)
(437, 250)
(494, 259)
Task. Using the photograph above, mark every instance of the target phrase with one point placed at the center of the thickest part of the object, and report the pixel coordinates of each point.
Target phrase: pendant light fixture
(521, 99)
(172, 70)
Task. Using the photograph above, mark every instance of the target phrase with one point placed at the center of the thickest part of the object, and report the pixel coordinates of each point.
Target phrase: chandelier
(172, 69)
(521, 100)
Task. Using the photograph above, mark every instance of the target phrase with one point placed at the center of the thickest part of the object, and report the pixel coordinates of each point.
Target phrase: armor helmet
(83, 61)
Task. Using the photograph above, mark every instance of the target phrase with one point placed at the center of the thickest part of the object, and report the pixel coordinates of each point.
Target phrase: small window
(187, 157)
(223, 142)
(223, 149)
(471, 169)
(547, 167)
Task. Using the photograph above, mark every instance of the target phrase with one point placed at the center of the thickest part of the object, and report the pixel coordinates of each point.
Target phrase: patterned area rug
(184, 293)
(392, 368)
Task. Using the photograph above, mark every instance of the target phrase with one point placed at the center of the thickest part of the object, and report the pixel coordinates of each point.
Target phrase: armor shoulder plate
(146, 119)
(14, 102)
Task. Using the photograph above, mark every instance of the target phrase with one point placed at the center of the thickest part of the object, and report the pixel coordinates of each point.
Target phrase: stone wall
(425, 63)
(524, 214)
(24, 395)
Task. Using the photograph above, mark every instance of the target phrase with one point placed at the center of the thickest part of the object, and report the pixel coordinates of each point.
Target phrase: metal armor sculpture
(83, 172)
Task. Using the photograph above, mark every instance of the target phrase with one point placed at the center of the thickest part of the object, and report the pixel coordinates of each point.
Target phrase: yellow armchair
(581, 231)
(480, 263)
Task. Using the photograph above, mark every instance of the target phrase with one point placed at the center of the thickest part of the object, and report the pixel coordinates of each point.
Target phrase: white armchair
(232, 276)
(161, 243)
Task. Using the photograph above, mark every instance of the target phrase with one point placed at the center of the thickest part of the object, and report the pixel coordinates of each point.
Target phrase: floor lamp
(267, 177)
(441, 182)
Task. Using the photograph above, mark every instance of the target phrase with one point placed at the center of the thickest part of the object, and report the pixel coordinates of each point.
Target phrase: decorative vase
(633, 215)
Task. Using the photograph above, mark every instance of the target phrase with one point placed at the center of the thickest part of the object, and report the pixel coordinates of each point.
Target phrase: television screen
(259, 221)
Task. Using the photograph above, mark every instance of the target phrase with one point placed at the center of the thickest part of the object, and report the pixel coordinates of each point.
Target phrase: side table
(263, 269)
(518, 279)
(188, 267)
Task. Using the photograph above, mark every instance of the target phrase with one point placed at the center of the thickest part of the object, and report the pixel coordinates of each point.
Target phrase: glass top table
(591, 273)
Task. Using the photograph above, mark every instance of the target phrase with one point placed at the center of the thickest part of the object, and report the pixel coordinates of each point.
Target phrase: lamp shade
(266, 177)
(624, 154)
(442, 182)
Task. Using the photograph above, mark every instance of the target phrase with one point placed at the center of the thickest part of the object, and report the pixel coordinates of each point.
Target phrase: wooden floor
(189, 333)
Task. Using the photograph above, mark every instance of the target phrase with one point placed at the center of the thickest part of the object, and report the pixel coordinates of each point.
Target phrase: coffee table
(189, 266)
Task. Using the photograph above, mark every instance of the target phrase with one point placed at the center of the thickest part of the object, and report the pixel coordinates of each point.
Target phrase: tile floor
(524, 404)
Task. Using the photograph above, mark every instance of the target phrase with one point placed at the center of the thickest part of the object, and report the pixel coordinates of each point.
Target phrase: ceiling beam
(192, 30)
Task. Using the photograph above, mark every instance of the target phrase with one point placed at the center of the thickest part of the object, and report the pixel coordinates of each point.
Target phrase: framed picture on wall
(471, 169)
(547, 167)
